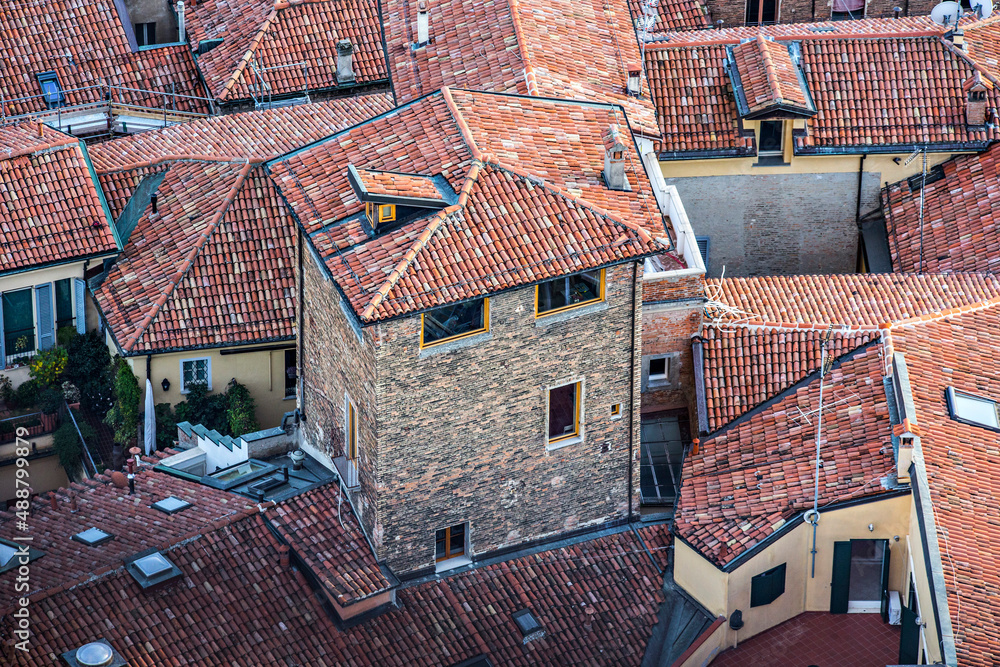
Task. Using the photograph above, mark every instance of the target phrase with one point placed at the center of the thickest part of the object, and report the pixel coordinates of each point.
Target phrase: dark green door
(909, 638)
(840, 586)
(885, 581)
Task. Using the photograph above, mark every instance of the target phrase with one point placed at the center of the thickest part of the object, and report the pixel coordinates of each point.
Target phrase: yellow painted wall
(723, 593)
(262, 373)
(929, 634)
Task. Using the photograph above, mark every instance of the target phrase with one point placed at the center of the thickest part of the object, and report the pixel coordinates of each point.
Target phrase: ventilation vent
(529, 626)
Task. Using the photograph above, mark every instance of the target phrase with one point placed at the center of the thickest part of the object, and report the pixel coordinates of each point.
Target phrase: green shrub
(50, 400)
(166, 426)
(66, 442)
(65, 335)
(123, 416)
(241, 412)
(6, 388)
(48, 366)
(201, 408)
(89, 369)
(25, 396)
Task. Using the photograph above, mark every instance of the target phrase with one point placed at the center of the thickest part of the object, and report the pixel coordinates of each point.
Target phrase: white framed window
(973, 410)
(196, 371)
(659, 370)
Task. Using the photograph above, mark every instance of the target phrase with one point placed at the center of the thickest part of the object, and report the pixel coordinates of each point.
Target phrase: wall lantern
(165, 384)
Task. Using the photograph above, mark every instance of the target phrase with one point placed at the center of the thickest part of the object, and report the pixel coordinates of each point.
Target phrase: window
(973, 410)
(450, 543)
(291, 374)
(352, 432)
(616, 410)
(659, 369)
(846, 10)
(18, 324)
(761, 12)
(152, 568)
(49, 82)
(703, 245)
(65, 317)
(528, 625)
(977, 95)
(564, 412)
(617, 155)
(451, 322)
(379, 213)
(171, 505)
(772, 135)
(92, 537)
(767, 587)
(569, 292)
(196, 371)
(145, 33)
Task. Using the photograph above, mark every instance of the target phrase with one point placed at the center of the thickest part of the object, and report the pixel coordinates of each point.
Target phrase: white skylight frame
(974, 410)
(171, 505)
(93, 537)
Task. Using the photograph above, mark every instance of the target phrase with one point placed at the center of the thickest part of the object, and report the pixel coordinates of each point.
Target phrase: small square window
(53, 92)
(171, 505)
(569, 292)
(658, 368)
(450, 543)
(973, 409)
(386, 213)
(11, 555)
(617, 155)
(453, 322)
(93, 537)
(616, 410)
(152, 568)
(196, 371)
(528, 625)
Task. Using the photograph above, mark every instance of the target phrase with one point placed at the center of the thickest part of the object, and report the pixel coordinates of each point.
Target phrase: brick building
(471, 349)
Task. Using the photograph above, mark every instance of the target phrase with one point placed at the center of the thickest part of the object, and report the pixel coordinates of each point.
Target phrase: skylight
(93, 537)
(7, 553)
(973, 409)
(528, 625)
(171, 505)
(153, 564)
(151, 568)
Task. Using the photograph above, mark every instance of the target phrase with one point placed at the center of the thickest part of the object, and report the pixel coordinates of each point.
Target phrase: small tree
(48, 366)
(166, 426)
(241, 411)
(202, 408)
(67, 444)
(89, 369)
(124, 414)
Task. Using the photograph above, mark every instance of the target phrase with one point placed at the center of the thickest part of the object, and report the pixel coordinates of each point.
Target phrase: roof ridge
(432, 227)
(770, 69)
(188, 262)
(530, 79)
(39, 148)
(789, 37)
(961, 53)
(840, 327)
(248, 56)
(179, 157)
(463, 127)
(943, 314)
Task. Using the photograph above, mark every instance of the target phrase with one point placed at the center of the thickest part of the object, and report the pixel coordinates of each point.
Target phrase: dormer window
(634, 80)
(977, 95)
(391, 197)
(54, 97)
(380, 213)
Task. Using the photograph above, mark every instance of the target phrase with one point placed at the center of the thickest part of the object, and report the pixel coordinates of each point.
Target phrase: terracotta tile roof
(962, 468)
(86, 46)
(564, 49)
(513, 163)
(215, 264)
(746, 365)
(752, 477)
(596, 600)
(858, 107)
(854, 300)
(961, 230)
(51, 205)
(279, 38)
(253, 135)
(136, 526)
(784, 31)
(674, 15)
(332, 545)
(768, 77)
(394, 184)
(982, 43)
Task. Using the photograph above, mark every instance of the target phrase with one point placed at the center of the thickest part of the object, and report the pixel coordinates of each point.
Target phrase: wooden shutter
(767, 587)
(885, 580)
(46, 319)
(703, 243)
(79, 306)
(840, 586)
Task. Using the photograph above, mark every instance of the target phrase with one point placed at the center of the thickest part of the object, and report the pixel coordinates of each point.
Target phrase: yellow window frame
(352, 431)
(386, 216)
(370, 212)
(486, 328)
(563, 309)
(577, 397)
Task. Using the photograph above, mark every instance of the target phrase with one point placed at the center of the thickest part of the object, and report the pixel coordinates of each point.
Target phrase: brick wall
(778, 223)
(334, 361)
(733, 12)
(462, 432)
(671, 315)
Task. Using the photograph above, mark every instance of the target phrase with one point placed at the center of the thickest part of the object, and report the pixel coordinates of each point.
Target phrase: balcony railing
(19, 346)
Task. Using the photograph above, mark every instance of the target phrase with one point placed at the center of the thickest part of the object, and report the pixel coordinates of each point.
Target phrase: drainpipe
(301, 400)
(861, 172)
(631, 394)
(149, 367)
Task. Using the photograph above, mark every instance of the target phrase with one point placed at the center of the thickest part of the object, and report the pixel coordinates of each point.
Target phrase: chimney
(181, 32)
(904, 459)
(52, 501)
(152, 201)
(614, 158)
(72, 503)
(896, 11)
(41, 128)
(958, 38)
(634, 79)
(975, 89)
(283, 559)
(423, 24)
(345, 61)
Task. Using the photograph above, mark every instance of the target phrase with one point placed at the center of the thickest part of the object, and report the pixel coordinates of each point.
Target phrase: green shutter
(840, 586)
(885, 580)
(767, 587)
(909, 638)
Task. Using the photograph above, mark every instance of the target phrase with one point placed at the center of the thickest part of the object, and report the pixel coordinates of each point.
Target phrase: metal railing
(64, 411)
(19, 345)
(261, 90)
(31, 421)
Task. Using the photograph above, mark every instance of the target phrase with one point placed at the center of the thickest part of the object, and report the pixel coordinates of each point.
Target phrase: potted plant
(50, 402)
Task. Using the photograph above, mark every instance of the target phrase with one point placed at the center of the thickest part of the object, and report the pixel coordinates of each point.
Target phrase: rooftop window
(973, 410)
(171, 505)
(569, 292)
(528, 625)
(152, 568)
(53, 92)
(94, 654)
(93, 537)
(457, 321)
(9, 552)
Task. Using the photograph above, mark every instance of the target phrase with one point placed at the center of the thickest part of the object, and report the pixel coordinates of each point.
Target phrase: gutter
(889, 149)
(698, 352)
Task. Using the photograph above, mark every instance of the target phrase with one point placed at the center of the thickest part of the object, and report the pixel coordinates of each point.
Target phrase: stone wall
(778, 223)
(462, 428)
(671, 315)
(733, 12)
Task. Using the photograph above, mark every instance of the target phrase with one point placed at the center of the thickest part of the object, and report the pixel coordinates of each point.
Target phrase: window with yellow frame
(568, 292)
(380, 213)
(352, 432)
(449, 323)
(564, 412)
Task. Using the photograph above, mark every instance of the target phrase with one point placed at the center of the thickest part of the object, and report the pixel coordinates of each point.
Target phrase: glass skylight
(153, 564)
(973, 409)
(7, 553)
(93, 536)
(171, 504)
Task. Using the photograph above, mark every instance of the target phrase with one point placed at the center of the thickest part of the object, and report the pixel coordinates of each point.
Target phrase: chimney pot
(423, 23)
(41, 128)
(896, 11)
(52, 501)
(131, 484)
(634, 79)
(181, 32)
(345, 61)
(72, 502)
(152, 201)
(614, 158)
(283, 558)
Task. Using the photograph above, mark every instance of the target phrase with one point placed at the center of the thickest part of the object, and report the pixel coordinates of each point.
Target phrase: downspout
(300, 345)
(631, 394)
(861, 172)
(149, 367)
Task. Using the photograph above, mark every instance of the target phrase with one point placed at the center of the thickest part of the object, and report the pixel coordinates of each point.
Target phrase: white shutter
(79, 305)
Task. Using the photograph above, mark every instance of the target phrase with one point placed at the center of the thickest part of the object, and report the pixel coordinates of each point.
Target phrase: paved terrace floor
(820, 639)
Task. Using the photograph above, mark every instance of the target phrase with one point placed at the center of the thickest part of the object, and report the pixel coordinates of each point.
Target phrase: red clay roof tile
(768, 76)
(673, 15)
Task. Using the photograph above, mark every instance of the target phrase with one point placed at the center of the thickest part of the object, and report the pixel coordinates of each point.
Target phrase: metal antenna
(825, 363)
